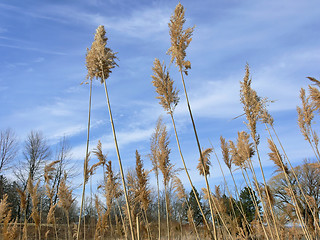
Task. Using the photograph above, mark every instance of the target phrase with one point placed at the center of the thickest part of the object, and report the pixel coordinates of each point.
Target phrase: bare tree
(36, 152)
(309, 178)
(8, 148)
(8, 151)
(63, 155)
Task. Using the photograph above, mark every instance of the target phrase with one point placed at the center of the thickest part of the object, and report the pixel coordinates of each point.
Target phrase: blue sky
(42, 63)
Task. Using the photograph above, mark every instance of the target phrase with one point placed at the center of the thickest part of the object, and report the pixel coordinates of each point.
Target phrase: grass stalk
(85, 165)
(200, 152)
(254, 200)
(187, 172)
(230, 197)
(167, 211)
(119, 158)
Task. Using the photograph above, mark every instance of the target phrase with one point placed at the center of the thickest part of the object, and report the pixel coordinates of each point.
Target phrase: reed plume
(241, 154)
(252, 107)
(180, 39)
(206, 162)
(23, 199)
(168, 96)
(315, 93)
(100, 60)
(33, 191)
(251, 104)
(23, 208)
(154, 157)
(181, 194)
(275, 156)
(65, 200)
(167, 170)
(9, 226)
(143, 191)
(305, 118)
(48, 176)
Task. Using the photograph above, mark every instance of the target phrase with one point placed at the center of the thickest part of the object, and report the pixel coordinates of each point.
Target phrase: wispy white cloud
(140, 23)
(124, 137)
(40, 50)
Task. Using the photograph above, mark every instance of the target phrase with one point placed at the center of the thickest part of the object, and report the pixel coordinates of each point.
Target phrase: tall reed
(143, 191)
(154, 157)
(252, 108)
(168, 96)
(33, 191)
(180, 40)
(100, 61)
(65, 201)
(167, 170)
(85, 166)
(181, 194)
(9, 226)
(48, 176)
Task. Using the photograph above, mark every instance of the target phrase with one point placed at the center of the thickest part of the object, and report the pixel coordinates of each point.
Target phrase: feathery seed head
(143, 191)
(305, 114)
(179, 188)
(315, 93)
(65, 195)
(180, 39)
(50, 216)
(275, 156)
(204, 168)
(100, 59)
(251, 104)
(163, 83)
(99, 154)
(225, 152)
(48, 171)
(265, 116)
(23, 199)
(244, 150)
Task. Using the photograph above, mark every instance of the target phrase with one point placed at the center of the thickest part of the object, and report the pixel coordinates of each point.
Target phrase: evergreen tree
(247, 203)
(195, 207)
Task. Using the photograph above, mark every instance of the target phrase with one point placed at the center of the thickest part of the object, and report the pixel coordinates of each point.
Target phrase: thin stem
(193, 223)
(147, 223)
(254, 200)
(187, 172)
(167, 211)
(122, 220)
(138, 227)
(230, 195)
(267, 192)
(264, 207)
(119, 158)
(85, 162)
(159, 217)
(200, 152)
(298, 182)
